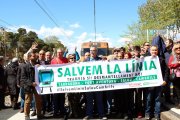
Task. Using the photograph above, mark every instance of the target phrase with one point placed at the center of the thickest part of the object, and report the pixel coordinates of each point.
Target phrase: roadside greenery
(154, 15)
(20, 42)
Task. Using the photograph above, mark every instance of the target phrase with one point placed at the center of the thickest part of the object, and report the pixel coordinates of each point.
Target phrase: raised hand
(34, 45)
(54, 49)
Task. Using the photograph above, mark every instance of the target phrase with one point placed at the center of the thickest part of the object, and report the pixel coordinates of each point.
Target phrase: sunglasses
(93, 50)
(177, 48)
(72, 58)
(116, 50)
(147, 45)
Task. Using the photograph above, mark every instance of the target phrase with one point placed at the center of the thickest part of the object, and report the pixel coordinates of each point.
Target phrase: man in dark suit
(98, 96)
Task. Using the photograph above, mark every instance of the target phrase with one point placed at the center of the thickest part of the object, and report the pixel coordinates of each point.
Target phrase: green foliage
(22, 41)
(160, 14)
(137, 34)
(22, 31)
(154, 15)
(54, 40)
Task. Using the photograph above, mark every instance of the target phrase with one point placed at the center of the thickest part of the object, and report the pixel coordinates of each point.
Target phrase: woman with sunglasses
(74, 98)
(174, 65)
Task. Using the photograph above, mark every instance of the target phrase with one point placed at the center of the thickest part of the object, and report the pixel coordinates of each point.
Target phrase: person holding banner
(127, 99)
(153, 94)
(139, 92)
(46, 103)
(28, 74)
(94, 96)
(59, 98)
(109, 95)
(74, 98)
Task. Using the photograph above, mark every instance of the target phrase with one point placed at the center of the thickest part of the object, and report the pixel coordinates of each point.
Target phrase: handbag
(172, 76)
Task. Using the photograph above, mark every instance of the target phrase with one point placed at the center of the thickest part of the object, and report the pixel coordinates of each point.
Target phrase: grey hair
(1, 58)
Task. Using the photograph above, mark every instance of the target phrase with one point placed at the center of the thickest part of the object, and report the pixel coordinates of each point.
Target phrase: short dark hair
(30, 54)
(122, 48)
(137, 48)
(171, 41)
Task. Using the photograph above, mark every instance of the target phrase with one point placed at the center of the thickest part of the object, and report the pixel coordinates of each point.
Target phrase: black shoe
(65, 117)
(44, 112)
(55, 115)
(4, 107)
(170, 102)
(40, 117)
(15, 108)
(34, 113)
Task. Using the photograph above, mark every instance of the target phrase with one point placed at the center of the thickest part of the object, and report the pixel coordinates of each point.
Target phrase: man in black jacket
(2, 82)
(28, 75)
(11, 80)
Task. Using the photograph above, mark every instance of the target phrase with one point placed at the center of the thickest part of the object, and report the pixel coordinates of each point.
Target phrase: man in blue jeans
(94, 96)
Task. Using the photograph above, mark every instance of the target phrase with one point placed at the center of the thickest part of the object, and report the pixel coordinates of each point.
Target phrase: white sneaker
(104, 118)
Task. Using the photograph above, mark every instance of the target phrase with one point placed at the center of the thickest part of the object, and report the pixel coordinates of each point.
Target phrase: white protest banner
(98, 76)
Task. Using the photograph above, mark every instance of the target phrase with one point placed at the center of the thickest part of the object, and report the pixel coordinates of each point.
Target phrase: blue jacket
(76, 54)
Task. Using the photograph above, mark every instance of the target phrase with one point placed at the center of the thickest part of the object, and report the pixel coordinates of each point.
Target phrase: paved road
(10, 114)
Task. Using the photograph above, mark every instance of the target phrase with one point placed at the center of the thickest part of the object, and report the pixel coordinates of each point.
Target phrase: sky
(72, 21)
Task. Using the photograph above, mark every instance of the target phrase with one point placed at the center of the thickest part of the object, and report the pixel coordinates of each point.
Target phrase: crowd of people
(19, 78)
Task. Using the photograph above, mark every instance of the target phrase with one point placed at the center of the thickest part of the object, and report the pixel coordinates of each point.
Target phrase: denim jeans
(33, 104)
(22, 95)
(153, 95)
(107, 100)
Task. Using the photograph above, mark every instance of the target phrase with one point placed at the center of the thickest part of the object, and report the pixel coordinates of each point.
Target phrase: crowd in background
(19, 78)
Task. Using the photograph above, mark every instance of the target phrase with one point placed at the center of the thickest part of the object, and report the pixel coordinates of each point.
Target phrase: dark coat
(20, 80)
(11, 78)
(28, 77)
(167, 55)
(2, 79)
(164, 69)
(159, 42)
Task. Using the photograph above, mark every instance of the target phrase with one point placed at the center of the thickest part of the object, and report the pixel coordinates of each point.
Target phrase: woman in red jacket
(174, 65)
